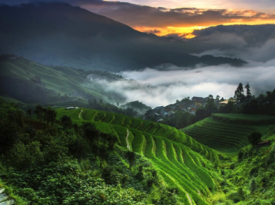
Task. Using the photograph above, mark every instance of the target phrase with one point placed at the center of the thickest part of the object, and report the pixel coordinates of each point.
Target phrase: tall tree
(239, 92)
(248, 92)
(38, 111)
(29, 112)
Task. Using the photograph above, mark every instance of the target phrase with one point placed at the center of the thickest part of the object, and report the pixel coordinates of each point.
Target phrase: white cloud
(156, 88)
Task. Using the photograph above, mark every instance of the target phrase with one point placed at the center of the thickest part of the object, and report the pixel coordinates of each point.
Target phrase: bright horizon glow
(187, 32)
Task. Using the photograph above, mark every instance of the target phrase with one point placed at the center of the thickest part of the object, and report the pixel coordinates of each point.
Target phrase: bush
(254, 138)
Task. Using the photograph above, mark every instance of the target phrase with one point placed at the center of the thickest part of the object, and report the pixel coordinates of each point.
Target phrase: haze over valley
(137, 102)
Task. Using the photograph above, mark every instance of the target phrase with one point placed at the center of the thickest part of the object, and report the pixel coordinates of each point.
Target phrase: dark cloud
(254, 43)
(146, 16)
(136, 15)
(255, 35)
(73, 2)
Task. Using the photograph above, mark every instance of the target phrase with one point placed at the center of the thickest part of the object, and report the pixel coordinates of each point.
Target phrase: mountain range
(62, 35)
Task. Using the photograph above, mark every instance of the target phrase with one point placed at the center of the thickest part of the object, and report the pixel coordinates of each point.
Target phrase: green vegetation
(244, 118)
(25, 81)
(228, 132)
(59, 162)
(157, 143)
(89, 156)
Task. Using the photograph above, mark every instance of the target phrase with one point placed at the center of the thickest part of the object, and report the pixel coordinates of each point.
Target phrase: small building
(225, 102)
(198, 104)
(71, 108)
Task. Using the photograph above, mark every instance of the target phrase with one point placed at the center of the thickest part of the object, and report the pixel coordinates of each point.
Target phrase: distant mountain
(62, 35)
(30, 82)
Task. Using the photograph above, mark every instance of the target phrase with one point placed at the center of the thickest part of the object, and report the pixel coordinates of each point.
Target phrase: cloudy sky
(166, 17)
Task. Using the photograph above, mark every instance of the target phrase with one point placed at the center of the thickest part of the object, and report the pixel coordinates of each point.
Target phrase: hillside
(62, 35)
(31, 82)
(93, 157)
(228, 132)
(176, 156)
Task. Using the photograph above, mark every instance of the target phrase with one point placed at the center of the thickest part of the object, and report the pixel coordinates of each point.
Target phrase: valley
(95, 112)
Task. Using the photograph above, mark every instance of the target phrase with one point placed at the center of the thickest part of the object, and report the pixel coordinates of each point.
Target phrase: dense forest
(50, 161)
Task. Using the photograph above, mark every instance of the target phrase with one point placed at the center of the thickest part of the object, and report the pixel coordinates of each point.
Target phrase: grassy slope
(228, 134)
(10, 100)
(234, 116)
(63, 81)
(246, 177)
(177, 157)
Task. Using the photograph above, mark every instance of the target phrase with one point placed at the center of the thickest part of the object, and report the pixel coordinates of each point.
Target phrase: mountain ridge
(62, 35)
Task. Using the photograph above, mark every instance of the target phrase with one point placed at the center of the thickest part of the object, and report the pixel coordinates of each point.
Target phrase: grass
(59, 87)
(10, 100)
(244, 116)
(139, 141)
(118, 119)
(244, 119)
(100, 116)
(121, 132)
(176, 156)
(224, 135)
(135, 123)
(88, 114)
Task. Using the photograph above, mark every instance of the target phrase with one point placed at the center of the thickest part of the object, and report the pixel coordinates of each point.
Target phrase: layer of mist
(160, 88)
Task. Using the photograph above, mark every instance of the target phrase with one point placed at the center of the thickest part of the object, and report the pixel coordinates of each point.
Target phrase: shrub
(254, 138)
(66, 122)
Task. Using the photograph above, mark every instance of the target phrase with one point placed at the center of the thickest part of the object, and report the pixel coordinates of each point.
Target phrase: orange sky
(187, 32)
(181, 21)
(180, 18)
(245, 17)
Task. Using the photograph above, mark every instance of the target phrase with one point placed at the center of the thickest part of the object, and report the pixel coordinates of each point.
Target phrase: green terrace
(181, 161)
(228, 132)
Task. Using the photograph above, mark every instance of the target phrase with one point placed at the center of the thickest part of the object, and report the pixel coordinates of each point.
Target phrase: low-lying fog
(155, 88)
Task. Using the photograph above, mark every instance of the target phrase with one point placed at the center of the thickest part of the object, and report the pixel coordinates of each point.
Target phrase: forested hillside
(88, 156)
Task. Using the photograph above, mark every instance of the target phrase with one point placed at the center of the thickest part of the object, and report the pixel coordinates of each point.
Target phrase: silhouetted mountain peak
(61, 34)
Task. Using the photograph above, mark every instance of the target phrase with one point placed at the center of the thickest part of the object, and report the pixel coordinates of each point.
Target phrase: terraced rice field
(220, 135)
(244, 119)
(177, 157)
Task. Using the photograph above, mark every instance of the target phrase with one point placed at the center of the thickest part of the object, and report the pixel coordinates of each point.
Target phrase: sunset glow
(179, 22)
(184, 32)
(187, 32)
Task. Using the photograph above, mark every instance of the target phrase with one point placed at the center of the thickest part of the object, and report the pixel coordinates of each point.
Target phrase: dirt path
(4, 198)
(79, 115)
(127, 142)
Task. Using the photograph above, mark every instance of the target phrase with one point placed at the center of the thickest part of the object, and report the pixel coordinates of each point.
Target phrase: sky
(177, 17)
(256, 45)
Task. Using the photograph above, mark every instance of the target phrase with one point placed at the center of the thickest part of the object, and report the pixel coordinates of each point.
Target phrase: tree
(254, 138)
(29, 112)
(248, 92)
(90, 133)
(38, 111)
(66, 122)
(239, 92)
(210, 105)
(201, 113)
(49, 115)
